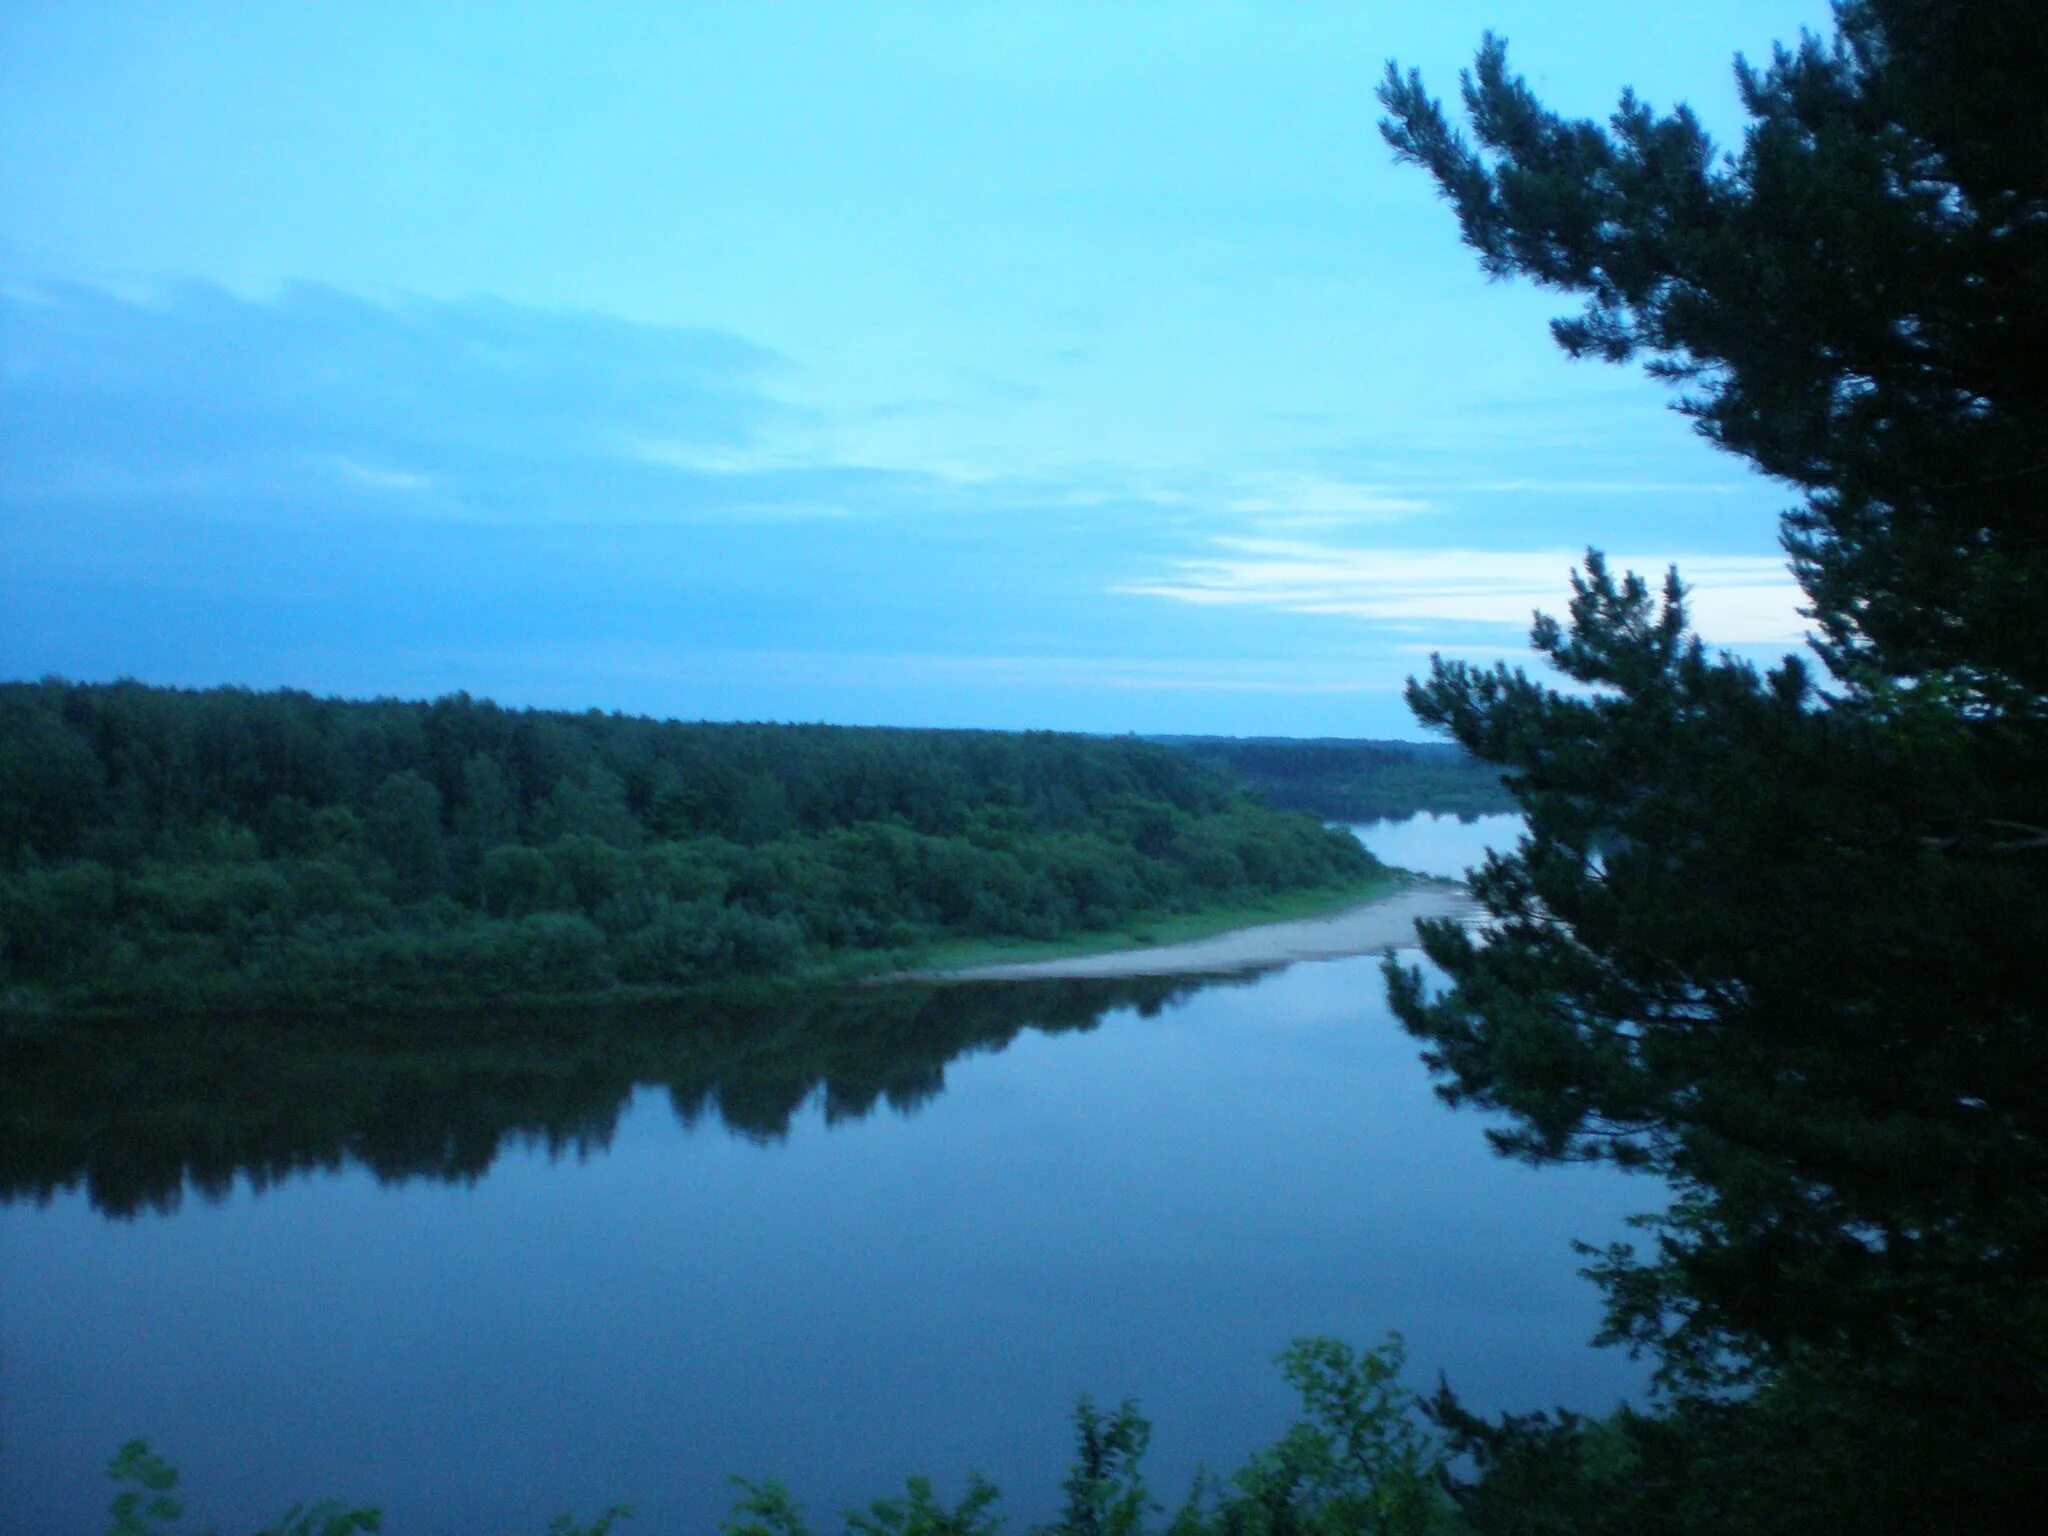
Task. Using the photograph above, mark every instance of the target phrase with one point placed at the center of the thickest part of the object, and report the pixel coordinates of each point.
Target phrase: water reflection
(140, 1113)
(756, 1270)
(1438, 845)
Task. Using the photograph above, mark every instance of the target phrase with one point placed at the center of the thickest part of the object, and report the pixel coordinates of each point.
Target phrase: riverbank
(1175, 944)
(1343, 923)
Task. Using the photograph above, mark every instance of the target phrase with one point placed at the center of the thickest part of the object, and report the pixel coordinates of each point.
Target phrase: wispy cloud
(1736, 599)
(383, 479)
(483, 411)
(1532, 485)
(380, 494)
(1306, 502)
(657, 665)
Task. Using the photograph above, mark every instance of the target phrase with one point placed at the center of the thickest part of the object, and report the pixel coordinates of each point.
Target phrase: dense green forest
(224, 848)
(1341, 780)
(1773, 937)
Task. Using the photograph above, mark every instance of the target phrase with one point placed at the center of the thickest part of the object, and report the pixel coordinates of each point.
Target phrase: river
(1438, 845)
(482, 1272)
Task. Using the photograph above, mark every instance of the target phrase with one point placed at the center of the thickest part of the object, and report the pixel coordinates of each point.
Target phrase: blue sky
(1082, 366)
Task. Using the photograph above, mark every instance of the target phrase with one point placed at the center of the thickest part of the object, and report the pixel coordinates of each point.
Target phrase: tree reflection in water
(140, 1111)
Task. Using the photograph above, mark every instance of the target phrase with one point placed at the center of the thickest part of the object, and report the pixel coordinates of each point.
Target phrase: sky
(1081, 366)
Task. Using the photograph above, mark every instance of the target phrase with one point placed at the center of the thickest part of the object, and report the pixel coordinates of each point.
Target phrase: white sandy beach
(1371, 927)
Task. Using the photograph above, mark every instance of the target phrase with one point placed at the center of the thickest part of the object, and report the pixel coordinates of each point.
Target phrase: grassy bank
(1143, 932)
(1158, 929)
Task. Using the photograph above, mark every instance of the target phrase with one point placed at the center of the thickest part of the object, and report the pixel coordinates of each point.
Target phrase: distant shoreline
(1370, 927)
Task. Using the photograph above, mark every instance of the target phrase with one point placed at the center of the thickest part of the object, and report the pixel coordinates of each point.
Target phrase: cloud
(1536, 486)
(384, 479)
(319, 399)
(955, 673)
(1305, 502)
(1130, 673)
(402, 494)
(1735, 599)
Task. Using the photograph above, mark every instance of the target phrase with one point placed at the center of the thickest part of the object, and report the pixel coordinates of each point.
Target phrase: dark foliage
(1355, 1463)
(225, 848)
(1776, 939)
(1356, 780)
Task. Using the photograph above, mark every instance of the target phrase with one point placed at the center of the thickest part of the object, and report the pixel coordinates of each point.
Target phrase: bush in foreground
(1361, 1460)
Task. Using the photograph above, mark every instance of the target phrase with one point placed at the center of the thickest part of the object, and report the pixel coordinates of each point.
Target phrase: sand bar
(1366, 929)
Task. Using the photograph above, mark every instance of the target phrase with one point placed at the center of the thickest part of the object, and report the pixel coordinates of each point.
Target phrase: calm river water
(482, 1273)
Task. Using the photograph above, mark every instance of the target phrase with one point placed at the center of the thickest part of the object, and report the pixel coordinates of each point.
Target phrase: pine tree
(1778, 938)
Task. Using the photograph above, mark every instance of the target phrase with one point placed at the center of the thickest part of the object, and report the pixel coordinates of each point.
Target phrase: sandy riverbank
(1366, 929)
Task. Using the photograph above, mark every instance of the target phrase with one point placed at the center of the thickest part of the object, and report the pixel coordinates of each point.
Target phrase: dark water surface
(479, 1272)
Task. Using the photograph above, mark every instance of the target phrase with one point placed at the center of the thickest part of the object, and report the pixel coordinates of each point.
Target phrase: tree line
(228, 848)
(1342, 780)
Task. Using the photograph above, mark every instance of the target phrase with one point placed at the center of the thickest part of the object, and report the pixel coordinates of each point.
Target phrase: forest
(193, 850)
(1772, 939)
(1342, 780)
